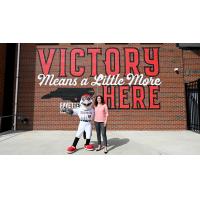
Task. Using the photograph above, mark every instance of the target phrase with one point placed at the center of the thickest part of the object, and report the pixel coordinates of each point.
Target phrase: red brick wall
(44, 114)
(2, 71)
(191, 62)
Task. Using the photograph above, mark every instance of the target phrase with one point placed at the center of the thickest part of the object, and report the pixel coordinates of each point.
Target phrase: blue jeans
(101, 129)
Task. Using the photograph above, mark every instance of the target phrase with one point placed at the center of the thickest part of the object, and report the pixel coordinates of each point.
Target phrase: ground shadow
(114, 143)
(10, 134)
(78, 149)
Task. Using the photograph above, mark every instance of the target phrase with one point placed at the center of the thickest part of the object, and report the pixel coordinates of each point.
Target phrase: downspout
(16, 87)
(185, 91)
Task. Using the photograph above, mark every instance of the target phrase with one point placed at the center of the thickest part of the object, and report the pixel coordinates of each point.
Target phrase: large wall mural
(133, 85)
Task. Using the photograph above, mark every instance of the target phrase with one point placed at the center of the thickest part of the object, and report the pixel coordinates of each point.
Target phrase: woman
(100, 121)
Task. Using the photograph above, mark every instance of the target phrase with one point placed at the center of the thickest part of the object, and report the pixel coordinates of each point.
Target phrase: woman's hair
(96, 102)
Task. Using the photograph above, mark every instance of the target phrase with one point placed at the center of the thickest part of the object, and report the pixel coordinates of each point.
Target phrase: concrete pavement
(119, 143)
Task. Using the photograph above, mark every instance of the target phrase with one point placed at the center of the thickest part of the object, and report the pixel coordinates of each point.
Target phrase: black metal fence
(193, 105)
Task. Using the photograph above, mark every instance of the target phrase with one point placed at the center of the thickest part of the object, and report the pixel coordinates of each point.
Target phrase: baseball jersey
(87, 115)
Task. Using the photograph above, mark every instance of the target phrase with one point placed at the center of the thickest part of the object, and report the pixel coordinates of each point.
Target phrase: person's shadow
(114, 143)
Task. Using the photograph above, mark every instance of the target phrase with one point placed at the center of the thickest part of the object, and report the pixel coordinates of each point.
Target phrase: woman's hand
(105, 124)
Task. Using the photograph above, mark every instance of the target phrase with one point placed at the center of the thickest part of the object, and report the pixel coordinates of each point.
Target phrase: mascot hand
(68, 111)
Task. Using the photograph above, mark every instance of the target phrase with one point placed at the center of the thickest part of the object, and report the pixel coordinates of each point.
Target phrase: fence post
(187, 108)
(198, 88)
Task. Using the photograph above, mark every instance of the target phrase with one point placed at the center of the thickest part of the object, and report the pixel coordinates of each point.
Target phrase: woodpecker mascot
(86, 115)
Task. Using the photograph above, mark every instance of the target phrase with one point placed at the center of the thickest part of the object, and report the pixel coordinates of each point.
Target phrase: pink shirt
(101, 112)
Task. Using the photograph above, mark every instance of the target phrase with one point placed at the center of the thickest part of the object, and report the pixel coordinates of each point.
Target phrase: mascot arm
(75, 111)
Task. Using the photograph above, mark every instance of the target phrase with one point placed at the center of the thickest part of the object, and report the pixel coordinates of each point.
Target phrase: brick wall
(44, 114)
(191, 62)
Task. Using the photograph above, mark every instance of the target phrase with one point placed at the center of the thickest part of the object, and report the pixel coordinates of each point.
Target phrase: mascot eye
(84, 98)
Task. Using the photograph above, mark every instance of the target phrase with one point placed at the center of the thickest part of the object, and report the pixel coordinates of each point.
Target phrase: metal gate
(193, 105)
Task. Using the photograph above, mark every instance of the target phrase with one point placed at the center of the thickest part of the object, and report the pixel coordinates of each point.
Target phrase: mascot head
(86, 102)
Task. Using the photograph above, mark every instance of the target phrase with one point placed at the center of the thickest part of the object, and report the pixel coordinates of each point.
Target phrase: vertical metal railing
(193, 105)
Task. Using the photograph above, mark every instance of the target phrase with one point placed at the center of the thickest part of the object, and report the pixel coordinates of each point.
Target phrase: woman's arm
(106, 114)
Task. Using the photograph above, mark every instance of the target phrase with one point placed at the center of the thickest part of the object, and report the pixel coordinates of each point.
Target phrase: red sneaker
(89, 147)
(71, 149)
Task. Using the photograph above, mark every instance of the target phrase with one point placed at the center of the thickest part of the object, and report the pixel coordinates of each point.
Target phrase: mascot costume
(86, 114)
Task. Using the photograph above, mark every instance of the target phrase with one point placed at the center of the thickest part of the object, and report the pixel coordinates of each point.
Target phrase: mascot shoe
(71, 149)
(89, 147)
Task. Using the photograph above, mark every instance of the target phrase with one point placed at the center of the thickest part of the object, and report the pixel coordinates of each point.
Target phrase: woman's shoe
(105, 151)
(98, 149)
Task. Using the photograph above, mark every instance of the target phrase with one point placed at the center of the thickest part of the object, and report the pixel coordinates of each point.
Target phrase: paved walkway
(120, 143)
